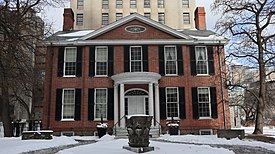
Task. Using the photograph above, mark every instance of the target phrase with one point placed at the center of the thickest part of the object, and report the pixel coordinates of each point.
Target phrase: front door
(136, 105)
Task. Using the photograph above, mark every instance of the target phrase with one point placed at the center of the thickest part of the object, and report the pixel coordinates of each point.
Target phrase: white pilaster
(115, 104)
(122, 108)
(151, 102)
(157, 103)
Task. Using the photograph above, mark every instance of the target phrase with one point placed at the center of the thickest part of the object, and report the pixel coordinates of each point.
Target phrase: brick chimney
(200, 22)
(68, 19)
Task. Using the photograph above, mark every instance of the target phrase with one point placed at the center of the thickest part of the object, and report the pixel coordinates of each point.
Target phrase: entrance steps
(122, 133)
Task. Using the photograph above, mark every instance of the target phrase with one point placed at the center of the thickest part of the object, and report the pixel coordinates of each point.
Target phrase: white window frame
(106, 114)
(80, 4)
(106, 47)
(133, 4)
(176, 60)
(160, 15)
(185, 4)
(185, 14)
(145, 3)
(105, 4)
(64, 64)
(166, 92)
(160, 3)
(209, 103)
(119, 5)
(141, 60)
(105, 16)
(196, 56)
(63, 92)
(210, 130)
(79, 20)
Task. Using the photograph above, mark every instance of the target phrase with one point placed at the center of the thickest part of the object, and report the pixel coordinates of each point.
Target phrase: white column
(151, 102)
(157, 103)
(115, 104)
(122, 108)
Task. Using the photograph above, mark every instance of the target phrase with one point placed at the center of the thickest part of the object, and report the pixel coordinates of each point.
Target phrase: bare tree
(20, 31)
(250, 25)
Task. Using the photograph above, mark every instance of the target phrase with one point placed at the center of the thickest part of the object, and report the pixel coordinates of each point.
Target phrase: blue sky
(55, 15)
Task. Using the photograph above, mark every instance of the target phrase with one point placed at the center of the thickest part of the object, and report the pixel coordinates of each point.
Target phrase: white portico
(138, 101)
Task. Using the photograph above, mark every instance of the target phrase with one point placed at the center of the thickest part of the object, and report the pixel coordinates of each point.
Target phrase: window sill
(65, 120)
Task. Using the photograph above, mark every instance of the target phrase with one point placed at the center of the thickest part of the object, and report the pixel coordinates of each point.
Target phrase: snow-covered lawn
(108, 144)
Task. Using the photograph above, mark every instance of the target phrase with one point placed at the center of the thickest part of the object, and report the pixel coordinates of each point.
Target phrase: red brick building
(134, 66)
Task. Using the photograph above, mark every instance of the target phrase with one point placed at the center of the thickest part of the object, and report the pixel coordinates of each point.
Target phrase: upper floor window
(201, 60)
(101, 103)
(79, 19)
(160, 3)
(68, 104)
(101, 60)
(80, 4)
(133, 3)
(186, 18)
(204, 102)
(185, 3)
(170, 60)
(105, 4)
(70, 61)
(147, 15)
(136, 59)
(172, 102)
(118, 16)
(119, 4)
(105, 18)
(146, 3)
(161, 18)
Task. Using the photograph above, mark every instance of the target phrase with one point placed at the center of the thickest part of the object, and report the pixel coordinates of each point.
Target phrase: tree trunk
(6, 113)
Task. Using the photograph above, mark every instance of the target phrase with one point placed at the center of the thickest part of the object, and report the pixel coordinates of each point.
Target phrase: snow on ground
(108, 144)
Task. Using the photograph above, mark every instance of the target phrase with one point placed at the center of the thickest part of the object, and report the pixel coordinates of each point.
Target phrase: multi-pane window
(172, 102)
(186, 18)
(204, 102)
(160, 3)
(146, 3)
(170, 59)
(105, 4)
(101, 59)
(68, 104)
(185, 3)
(136, 59)
(79, 19)
(133, 3)
(80, 4)
(201, 60)
(147, 15)
(105, 18)
(119, 4)
(100, 103)
(161, 18)
(118, 16)
(70, 61)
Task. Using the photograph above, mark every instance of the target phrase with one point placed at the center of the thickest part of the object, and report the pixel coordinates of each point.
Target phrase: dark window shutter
(180, 60)
(195, 104)
(182, 103)
(210, 60)
(110, 60)
(60, 61)
(145, 58)
(92, 62)
(77, 111)
(110, 115)
(58, 105)
(79, 62)
(161, 61)
(214, 107)
(162, 99)
(91, 104)
(126, 59)
(193, 61)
